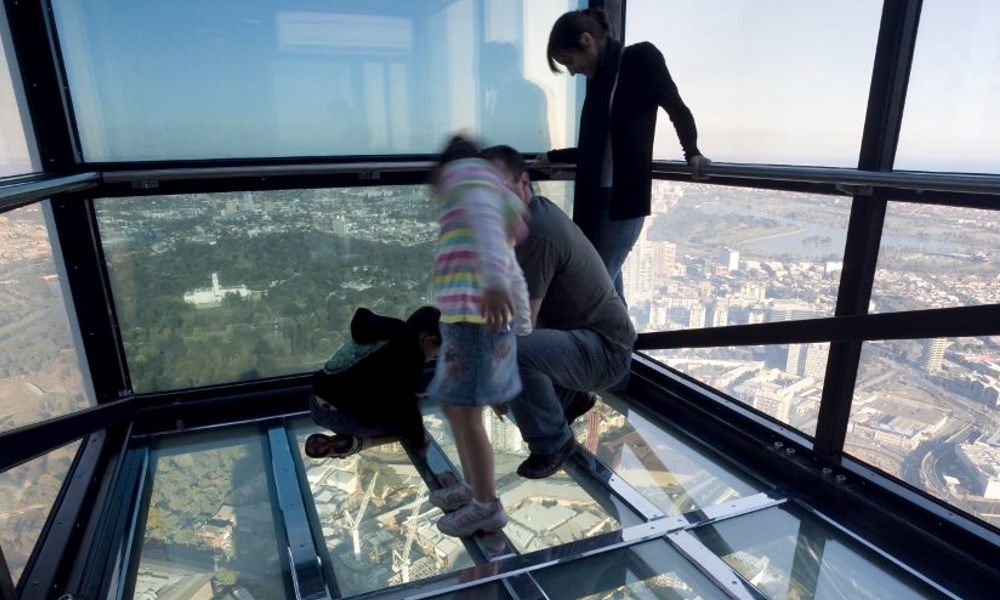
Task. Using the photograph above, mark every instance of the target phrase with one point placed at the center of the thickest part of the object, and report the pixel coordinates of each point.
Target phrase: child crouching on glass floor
(366, 394)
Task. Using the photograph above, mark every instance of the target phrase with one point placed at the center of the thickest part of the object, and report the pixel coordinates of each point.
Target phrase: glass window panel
(783, 381)
(14, 156)
(543, 512)
(768, 81)
(949, 122)
(648, 570)
(937, 257)
(255, 78)
(710, 256)
(926, 411)
(379, 527)
(27, 494)
(40, 370)
(786, 552)
(210, 528)
(211, 288)
(674, 473)
(559, 192)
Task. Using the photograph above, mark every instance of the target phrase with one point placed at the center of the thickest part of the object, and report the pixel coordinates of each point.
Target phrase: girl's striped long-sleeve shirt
(479, 220)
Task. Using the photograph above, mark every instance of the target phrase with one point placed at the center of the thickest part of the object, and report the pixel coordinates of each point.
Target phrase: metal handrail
(988, 184)
(907, 180)
(218, 172)
(17, 193)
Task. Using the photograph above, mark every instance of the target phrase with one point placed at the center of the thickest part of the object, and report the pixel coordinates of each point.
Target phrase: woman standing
(614, 153)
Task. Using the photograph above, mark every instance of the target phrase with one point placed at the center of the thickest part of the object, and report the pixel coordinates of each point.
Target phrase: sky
(769, 81)
(787, 81)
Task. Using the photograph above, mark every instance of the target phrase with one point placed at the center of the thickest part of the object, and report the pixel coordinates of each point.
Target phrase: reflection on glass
(672, 473)
(925, 411)
(27, 493)
(380, 529)
(936, 257)
(210, 528)
(768, 98)
(211, 288)
(786, 552)
(543, 512)
(40, 375)
(949, 122)
(14, 158)
(648, 570)
(298, 78)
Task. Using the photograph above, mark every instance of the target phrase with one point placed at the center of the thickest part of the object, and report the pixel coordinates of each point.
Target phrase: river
(808, 240)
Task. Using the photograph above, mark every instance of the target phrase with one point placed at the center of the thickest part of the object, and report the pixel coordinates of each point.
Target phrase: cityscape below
(224, 287)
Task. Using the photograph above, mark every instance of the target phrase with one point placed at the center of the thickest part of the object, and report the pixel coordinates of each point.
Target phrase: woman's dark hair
(567, 29)
(426, 319)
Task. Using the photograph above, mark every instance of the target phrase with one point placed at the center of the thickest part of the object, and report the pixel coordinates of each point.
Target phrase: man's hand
(697, 162)
(498, 308)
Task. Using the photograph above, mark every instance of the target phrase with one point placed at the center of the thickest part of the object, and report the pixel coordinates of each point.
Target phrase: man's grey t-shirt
(562, 267)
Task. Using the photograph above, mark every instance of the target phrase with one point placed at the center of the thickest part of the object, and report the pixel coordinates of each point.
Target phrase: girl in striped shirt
(484, 303)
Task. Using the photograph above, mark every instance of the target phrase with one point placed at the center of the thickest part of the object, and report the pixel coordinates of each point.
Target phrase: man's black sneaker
(580, 404)
(540, 466)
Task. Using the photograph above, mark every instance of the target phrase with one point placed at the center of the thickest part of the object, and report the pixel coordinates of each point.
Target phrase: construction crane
(355, 522)
(401, 562)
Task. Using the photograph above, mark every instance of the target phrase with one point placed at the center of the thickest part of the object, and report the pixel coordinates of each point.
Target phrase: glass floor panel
(789, 552)
(210, 526)
(644, 571)
(379, 528)
(544, 512)
(674, 474)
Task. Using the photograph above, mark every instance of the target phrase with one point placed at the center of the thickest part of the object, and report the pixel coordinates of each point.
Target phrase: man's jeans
(614, 240)
(553, 363)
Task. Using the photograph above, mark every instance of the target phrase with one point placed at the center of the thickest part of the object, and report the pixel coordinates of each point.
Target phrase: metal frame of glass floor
(643, 509)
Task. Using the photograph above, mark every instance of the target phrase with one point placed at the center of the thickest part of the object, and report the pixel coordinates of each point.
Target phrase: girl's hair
(458, 147)
(567, 29)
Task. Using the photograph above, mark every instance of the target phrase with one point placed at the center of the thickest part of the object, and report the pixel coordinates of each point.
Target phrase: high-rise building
(664, 259)
(696, 317)
(814, 364)
(790, 310)
(934, 354)
(720, 313)
(504, 435)
(793, 364)
(730, 259)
